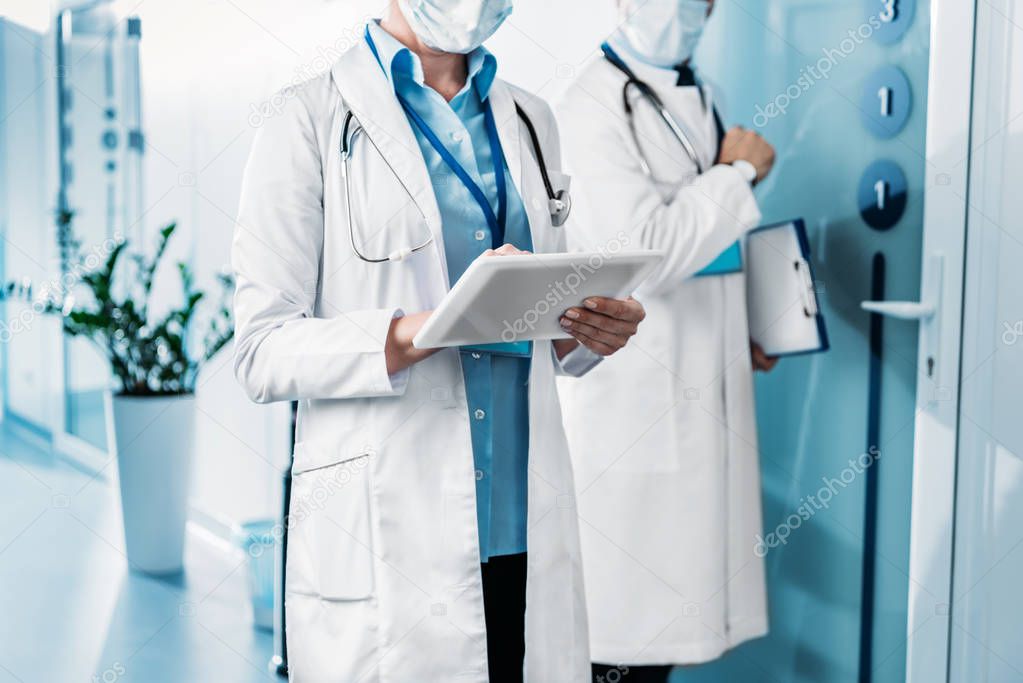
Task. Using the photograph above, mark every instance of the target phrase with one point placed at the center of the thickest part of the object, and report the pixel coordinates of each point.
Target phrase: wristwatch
(746, 169)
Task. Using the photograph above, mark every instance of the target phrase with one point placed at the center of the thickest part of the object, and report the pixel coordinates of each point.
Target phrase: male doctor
(669, 496)
(428, 538)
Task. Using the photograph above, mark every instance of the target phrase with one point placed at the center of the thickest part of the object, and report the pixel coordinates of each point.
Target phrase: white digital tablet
(521, 297)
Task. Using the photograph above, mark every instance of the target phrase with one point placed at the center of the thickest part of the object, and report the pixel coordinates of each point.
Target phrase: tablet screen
(521, 297)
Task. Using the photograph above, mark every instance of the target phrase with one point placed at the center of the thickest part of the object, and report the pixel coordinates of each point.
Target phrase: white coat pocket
(330, 545)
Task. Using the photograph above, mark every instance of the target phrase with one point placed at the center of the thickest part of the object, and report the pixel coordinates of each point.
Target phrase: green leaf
(146, 359)
(149, 270)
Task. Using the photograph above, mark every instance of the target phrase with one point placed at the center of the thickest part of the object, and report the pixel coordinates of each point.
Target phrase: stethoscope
(559, 203)
(647, 92)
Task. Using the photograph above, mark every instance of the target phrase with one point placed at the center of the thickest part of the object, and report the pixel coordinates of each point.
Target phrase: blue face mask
(458, 26)
(662, 32)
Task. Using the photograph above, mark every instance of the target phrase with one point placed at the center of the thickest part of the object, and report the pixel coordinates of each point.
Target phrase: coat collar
(366, 90)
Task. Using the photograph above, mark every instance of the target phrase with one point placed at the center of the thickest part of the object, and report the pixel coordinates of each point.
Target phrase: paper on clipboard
(781, 295)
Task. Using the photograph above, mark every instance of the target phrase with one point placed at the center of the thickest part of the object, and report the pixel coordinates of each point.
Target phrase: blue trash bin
(258, 540)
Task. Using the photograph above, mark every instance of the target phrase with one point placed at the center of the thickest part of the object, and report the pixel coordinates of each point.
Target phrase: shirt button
(480, 235)
(479, 475)
(476, 356)
(480, 414)
(458, 136)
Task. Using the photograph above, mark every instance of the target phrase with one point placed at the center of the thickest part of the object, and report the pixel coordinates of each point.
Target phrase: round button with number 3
(889, 19)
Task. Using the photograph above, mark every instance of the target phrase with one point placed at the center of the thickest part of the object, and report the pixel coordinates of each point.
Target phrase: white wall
(207, 66)
(32, 14)
(204, 64)
(542, 45)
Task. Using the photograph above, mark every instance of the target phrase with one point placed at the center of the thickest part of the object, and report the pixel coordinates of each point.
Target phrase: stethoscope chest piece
(560, 206)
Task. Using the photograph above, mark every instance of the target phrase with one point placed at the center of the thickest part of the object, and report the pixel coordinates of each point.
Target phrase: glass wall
(100, 146)
(987, 604)
(29, 342)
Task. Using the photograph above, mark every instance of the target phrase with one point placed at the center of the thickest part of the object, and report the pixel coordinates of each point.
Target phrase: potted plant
(155, 361)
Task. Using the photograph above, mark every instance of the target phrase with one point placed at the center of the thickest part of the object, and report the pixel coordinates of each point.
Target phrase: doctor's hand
(602, 325)
(398, 349)
(504, 250)
(761, 361)
(747, 145)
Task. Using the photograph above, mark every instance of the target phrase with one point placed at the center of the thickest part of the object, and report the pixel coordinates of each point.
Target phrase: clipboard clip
(806, 292)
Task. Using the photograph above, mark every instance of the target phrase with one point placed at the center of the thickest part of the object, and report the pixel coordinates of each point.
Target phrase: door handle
(926, 311)
(923, 310)
(903, 310)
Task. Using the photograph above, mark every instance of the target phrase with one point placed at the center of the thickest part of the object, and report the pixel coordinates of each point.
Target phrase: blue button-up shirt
(496, 386)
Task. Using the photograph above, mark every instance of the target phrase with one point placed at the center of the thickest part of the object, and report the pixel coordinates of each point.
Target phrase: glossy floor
(73, 612)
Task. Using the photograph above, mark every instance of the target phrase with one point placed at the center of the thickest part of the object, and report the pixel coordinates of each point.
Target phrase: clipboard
(506, 299)
(784, 313)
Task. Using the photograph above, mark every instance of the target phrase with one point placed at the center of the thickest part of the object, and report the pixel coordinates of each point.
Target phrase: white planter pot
(153, 439)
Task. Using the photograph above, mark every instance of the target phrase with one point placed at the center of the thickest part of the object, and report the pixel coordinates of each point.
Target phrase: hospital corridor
(508, 341)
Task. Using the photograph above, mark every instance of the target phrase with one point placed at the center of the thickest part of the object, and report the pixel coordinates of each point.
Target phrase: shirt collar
(402, 66)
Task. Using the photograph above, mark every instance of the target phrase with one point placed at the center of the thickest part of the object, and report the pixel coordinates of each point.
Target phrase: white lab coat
(383, 565)
(663, 440)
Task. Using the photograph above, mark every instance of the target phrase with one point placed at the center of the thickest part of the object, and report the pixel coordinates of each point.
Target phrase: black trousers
(626, 673)
(504, 604)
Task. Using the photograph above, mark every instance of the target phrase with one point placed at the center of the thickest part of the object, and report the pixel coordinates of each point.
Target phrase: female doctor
(669, 499)
(421, 477)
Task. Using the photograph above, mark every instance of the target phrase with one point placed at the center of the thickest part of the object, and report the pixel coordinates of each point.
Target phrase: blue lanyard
(495, 222)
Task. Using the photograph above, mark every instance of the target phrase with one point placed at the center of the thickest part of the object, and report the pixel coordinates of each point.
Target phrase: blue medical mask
(662, 32)
(458, 26)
